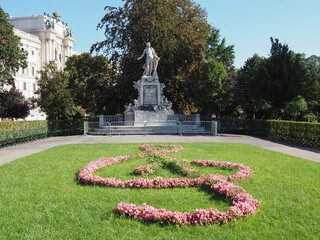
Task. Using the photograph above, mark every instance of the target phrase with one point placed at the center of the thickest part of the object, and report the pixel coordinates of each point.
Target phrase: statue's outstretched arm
(144, 52)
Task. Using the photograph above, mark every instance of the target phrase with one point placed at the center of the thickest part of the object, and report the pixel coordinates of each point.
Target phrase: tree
(312, 86)
(177, 31)
(213, 87)
(216, 85)
(90, 84)
(12, 57)
(250, 86)
(283, 75)
(54, 97)
(13, 104)
(216, 48)
(295, 107)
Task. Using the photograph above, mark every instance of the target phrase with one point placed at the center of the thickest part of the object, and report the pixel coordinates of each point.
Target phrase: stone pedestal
(152, 118)
(141, 116)
(151, 106)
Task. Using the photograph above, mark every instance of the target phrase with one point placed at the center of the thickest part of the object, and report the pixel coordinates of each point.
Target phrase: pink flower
(243, 204)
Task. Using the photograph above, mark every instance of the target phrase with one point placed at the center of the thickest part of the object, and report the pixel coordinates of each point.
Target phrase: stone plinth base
(152, 118)
(140, 118)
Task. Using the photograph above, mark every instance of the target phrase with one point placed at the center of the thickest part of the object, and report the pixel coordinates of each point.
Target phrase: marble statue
(151, 105)
(152, 59)
(128, 107)
(56, 15)
(136, 104)
(49, 24)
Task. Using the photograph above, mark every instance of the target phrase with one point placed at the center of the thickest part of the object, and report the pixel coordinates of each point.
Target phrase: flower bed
(243, 203)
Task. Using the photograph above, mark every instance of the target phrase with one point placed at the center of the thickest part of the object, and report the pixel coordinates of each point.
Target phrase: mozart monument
(151, 105)
(151, 112)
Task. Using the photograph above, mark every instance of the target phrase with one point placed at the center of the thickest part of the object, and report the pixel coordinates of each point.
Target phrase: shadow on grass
(213, 195)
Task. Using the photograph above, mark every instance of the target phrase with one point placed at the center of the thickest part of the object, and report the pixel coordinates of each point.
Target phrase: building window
(22, 71)
(24, 86)
(34, 87)
(55, 55)
(32, 70)
(60, 57)
(32, 52)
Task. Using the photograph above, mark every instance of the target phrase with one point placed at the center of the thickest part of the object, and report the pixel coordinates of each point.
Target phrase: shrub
(302, 133)
(25, 131)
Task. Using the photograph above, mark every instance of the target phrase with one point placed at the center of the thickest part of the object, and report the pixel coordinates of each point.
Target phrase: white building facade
(45, 39)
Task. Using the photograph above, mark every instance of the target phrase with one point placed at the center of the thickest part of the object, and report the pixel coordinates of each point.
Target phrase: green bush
(302, 133)
(25, 131)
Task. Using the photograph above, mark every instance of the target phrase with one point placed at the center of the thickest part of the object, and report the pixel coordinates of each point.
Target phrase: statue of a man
(152, 60)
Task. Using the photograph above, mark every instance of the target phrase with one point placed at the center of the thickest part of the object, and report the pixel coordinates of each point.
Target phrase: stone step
(185, 129)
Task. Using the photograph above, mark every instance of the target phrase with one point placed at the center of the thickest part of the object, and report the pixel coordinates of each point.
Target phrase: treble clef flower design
(243, 203)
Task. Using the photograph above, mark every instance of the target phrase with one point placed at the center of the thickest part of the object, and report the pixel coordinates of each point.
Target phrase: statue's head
(148, 44)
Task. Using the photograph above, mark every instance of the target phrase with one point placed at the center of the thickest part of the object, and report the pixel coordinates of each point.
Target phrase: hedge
(301, 133)
(24, 131)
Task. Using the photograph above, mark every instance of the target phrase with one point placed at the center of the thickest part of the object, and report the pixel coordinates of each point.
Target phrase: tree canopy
(283, 74)
(90, 84)
(217, 48)
(215, 87)
(12, 57)
(250, 86)
(13, 104)
(53, 97)
(177, 31)
(283, 86)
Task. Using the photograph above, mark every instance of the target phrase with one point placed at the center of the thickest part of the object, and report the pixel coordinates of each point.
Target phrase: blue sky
(247, 24)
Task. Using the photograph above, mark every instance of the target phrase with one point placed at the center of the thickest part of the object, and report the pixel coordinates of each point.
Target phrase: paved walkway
(14, 152)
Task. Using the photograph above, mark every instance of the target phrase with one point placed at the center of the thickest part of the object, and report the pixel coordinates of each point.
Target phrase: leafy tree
(216, 48)
(12, 57)
(295, 107)
(213, 89)
(13, 104)
(90, 83)
(312, 86)
(283, 75)
(4, 102)
(216, 86)
(177, 31)
(54, 97)
(250, 91)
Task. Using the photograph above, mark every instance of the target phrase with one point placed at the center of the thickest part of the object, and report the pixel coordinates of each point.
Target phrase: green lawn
(40, 197)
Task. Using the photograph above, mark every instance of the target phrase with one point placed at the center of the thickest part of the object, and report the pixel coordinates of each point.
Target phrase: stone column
(50, 50)
(53, 50)
(62, 56)
(47, 57)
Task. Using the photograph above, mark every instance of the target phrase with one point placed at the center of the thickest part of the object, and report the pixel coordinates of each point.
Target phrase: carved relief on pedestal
(150, 96)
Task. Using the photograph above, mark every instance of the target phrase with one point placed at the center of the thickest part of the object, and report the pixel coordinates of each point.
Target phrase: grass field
(40, 197)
